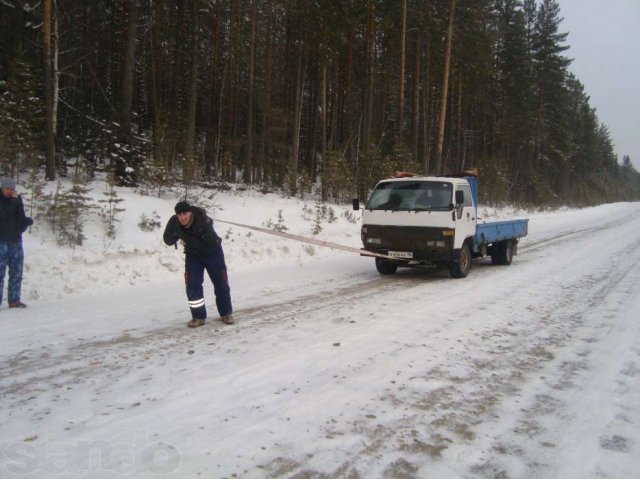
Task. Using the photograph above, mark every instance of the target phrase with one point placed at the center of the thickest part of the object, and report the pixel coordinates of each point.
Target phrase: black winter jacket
(13, 220)
(198, 239)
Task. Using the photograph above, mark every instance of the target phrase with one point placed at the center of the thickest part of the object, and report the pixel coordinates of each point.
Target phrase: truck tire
(502, 253)
(460, 268)
(386, 267)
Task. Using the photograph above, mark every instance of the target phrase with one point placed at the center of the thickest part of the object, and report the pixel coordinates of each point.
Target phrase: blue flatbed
(492, 232)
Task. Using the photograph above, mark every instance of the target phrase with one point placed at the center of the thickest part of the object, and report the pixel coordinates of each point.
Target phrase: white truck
(433, 221)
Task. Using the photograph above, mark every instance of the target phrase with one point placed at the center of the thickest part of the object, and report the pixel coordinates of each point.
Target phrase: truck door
(465, 216)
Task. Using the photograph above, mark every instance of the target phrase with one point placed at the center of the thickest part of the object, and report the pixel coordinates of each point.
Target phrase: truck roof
(424, 178)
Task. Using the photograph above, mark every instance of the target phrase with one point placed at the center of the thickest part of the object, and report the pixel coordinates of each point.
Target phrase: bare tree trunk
(415, 119)
(55, 72)
(445, 87)
(248, 160)
(126, 168)
(460, 134)
(213, 84)
(426, 110)
(128, 71)
(371, 58)
(175, 98)
(349, 100)
(48, 92)
(218, 165)
(295, 144)
(335, 108)
(264, 171)
(323, 130)
(403, 48)
(190, 140)
(156, 52)
(234, 118)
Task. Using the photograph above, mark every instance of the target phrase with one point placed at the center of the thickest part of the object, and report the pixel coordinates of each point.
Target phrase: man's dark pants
(216, 268)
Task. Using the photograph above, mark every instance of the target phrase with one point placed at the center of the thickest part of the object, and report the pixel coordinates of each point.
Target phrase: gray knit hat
(7, 182)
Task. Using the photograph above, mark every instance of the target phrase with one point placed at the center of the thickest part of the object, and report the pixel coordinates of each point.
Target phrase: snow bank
(137, 257)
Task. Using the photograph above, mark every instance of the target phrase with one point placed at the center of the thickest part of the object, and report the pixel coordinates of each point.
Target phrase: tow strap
(300, 238)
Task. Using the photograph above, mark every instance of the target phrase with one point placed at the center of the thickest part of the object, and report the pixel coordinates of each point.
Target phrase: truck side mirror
(459, 197)
(356, 203)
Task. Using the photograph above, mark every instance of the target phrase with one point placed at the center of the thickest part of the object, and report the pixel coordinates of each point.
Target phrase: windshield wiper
(433, 208)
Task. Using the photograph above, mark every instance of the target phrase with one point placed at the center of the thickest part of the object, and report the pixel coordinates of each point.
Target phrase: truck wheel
(386, 267)
(461, 267)
(502, 253)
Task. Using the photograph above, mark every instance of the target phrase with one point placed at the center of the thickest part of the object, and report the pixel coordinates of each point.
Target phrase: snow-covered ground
(530, 370)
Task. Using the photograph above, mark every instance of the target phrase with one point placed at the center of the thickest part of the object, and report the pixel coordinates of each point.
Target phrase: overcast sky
(604, 36)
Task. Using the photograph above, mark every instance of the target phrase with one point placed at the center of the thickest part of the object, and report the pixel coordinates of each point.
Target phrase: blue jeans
(194, 277)
(12, 256)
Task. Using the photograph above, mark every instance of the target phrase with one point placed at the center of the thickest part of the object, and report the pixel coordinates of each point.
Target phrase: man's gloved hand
(171, 233)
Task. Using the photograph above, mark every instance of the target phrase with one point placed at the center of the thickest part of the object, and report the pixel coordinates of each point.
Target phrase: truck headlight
(448, 233)
(375, 241)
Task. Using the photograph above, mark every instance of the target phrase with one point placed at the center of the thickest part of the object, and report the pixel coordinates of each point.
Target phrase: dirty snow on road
(528, 370)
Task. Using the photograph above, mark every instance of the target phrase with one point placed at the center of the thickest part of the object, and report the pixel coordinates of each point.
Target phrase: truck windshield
(418, 195)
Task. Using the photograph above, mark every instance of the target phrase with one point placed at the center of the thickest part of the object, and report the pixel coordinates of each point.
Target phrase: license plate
(400, 254)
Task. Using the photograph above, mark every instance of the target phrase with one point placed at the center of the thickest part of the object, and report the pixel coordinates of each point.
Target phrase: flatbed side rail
(498, 231)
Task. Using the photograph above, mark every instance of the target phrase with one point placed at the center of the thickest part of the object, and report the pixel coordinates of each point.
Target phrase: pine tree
(21, 118)
(68, 211)
(515, 84)
(551, 70)
(37, 201)
(109, 210)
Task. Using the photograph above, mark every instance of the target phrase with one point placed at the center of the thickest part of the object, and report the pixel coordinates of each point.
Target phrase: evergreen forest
(303, 96)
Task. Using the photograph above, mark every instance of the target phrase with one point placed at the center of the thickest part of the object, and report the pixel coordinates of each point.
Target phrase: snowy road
(531, 370)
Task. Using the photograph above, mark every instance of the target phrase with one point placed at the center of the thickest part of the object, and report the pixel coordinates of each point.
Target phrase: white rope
(322, 243)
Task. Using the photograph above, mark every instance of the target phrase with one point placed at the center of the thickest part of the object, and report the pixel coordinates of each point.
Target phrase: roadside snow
(332, 370)
(138, 257)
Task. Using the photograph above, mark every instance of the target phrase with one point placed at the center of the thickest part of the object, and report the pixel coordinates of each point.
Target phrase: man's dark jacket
(13, 220)
(198, 239)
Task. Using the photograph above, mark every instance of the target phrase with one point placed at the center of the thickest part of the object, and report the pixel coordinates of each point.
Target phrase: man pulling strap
(203, 251)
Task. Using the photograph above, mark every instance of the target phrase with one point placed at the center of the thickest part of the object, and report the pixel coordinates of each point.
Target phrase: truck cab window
(467, 195)
(411, 196)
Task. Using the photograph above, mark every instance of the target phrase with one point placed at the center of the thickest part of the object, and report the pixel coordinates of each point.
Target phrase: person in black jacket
(13, 223)
(203, 251)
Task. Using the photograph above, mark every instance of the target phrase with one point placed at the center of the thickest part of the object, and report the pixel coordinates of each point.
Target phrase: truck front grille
(412, 239)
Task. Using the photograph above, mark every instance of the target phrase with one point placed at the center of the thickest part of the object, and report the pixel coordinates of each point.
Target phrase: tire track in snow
(29, 373)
